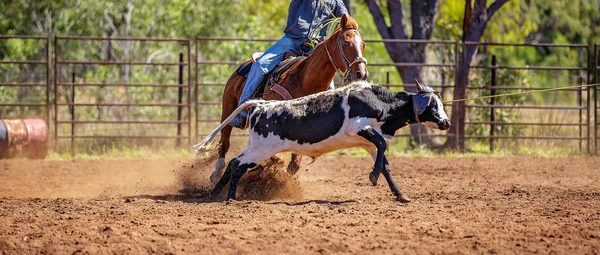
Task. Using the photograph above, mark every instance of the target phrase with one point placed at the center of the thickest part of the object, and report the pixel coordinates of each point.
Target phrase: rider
(304, 16)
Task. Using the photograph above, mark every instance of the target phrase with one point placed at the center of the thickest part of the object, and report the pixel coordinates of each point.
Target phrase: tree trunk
(423, 14)
(475, 21)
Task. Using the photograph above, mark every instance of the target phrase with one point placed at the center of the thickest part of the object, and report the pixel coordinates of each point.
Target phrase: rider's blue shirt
(305, 15)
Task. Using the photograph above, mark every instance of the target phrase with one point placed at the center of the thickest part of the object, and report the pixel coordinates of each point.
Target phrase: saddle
(272, 78)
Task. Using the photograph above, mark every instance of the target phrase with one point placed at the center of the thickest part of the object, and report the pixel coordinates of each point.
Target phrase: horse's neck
(316, 70)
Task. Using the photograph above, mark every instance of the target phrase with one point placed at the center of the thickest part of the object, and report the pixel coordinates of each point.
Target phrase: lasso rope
(523, 92)
(313, 36)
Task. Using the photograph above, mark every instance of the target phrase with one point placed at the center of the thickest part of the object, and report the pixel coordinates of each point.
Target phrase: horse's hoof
(373, 178)
(403, 199)
(216, 175)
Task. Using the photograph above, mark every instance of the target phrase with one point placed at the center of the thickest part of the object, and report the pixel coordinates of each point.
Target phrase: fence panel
(111, 89)
(568, 120)
(544, 116)
(25, 88)
(212, 72)
(114, 89)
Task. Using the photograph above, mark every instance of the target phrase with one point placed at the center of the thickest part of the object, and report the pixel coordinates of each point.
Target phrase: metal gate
(27, 86)
(127, 102)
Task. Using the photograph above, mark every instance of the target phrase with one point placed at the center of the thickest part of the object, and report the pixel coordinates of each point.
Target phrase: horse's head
(349, 56)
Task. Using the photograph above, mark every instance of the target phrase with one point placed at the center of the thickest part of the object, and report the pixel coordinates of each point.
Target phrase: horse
(307, 76)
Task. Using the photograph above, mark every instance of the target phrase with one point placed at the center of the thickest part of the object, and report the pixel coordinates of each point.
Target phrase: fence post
(189, 91)
(492, 103)
(73, 114)
(387, 80)
(55, 93)
(456, 74)
(595, 75)
(195, 88)
(48, 105)
(588, 113)
(179, 100)
(580, 104)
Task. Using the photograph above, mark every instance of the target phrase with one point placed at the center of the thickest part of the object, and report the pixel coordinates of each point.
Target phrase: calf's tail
(207, 143)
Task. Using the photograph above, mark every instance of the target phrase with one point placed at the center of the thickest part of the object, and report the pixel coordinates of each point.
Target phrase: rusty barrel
(37, 138)
(3, 140)
(24, 138)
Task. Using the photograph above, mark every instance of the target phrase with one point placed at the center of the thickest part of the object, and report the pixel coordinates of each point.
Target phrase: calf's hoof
(403, 199)
(293, 168)
(373, 178)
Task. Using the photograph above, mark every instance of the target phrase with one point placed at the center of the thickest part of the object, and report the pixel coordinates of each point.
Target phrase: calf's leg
(381, 145)
(387, 173)
(381, 162)
(223, 181)
(254, 153)
(294, 165)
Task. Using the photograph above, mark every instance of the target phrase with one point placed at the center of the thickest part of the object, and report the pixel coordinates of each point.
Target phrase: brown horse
(308, 76)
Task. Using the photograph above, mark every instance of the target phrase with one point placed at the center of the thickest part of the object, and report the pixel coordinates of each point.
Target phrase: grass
(125, 153)
(396, 148)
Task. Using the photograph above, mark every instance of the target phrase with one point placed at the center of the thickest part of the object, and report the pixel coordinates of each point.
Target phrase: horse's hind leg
(223, 149)
(229, 103)
(294, 165)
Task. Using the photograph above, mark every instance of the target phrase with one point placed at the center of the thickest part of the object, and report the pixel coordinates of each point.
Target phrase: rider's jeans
(266, 63)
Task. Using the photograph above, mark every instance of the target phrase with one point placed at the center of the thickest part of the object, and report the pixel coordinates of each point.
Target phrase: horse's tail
(207, 143)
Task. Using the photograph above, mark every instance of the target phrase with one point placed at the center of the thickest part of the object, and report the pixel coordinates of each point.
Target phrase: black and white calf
(360, 115)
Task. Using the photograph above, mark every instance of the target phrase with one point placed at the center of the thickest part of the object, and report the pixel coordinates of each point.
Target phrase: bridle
(417, 106)
(347, 62)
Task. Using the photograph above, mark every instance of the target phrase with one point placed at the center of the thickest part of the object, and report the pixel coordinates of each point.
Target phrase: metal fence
(576, 130)
(575, 119)
(63, 88)
(580, 106)
(28, 84)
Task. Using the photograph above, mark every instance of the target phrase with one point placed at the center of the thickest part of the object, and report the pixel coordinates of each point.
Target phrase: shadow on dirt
(319, 202)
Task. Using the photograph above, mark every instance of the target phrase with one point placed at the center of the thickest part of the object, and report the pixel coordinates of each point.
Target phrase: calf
(360, 115)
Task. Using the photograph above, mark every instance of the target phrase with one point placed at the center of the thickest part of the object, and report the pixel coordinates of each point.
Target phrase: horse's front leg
(294, 165)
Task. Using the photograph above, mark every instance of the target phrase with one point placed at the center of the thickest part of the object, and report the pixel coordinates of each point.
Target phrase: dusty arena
(460, 205)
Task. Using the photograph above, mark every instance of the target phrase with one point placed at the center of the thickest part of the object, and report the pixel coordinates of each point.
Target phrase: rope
(521, 93)
(313, 35)
(327, 8)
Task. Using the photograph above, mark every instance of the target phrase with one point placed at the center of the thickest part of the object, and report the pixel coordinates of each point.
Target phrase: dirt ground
(460, 205)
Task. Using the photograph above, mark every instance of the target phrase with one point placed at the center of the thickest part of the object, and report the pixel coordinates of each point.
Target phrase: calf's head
(428, 108)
